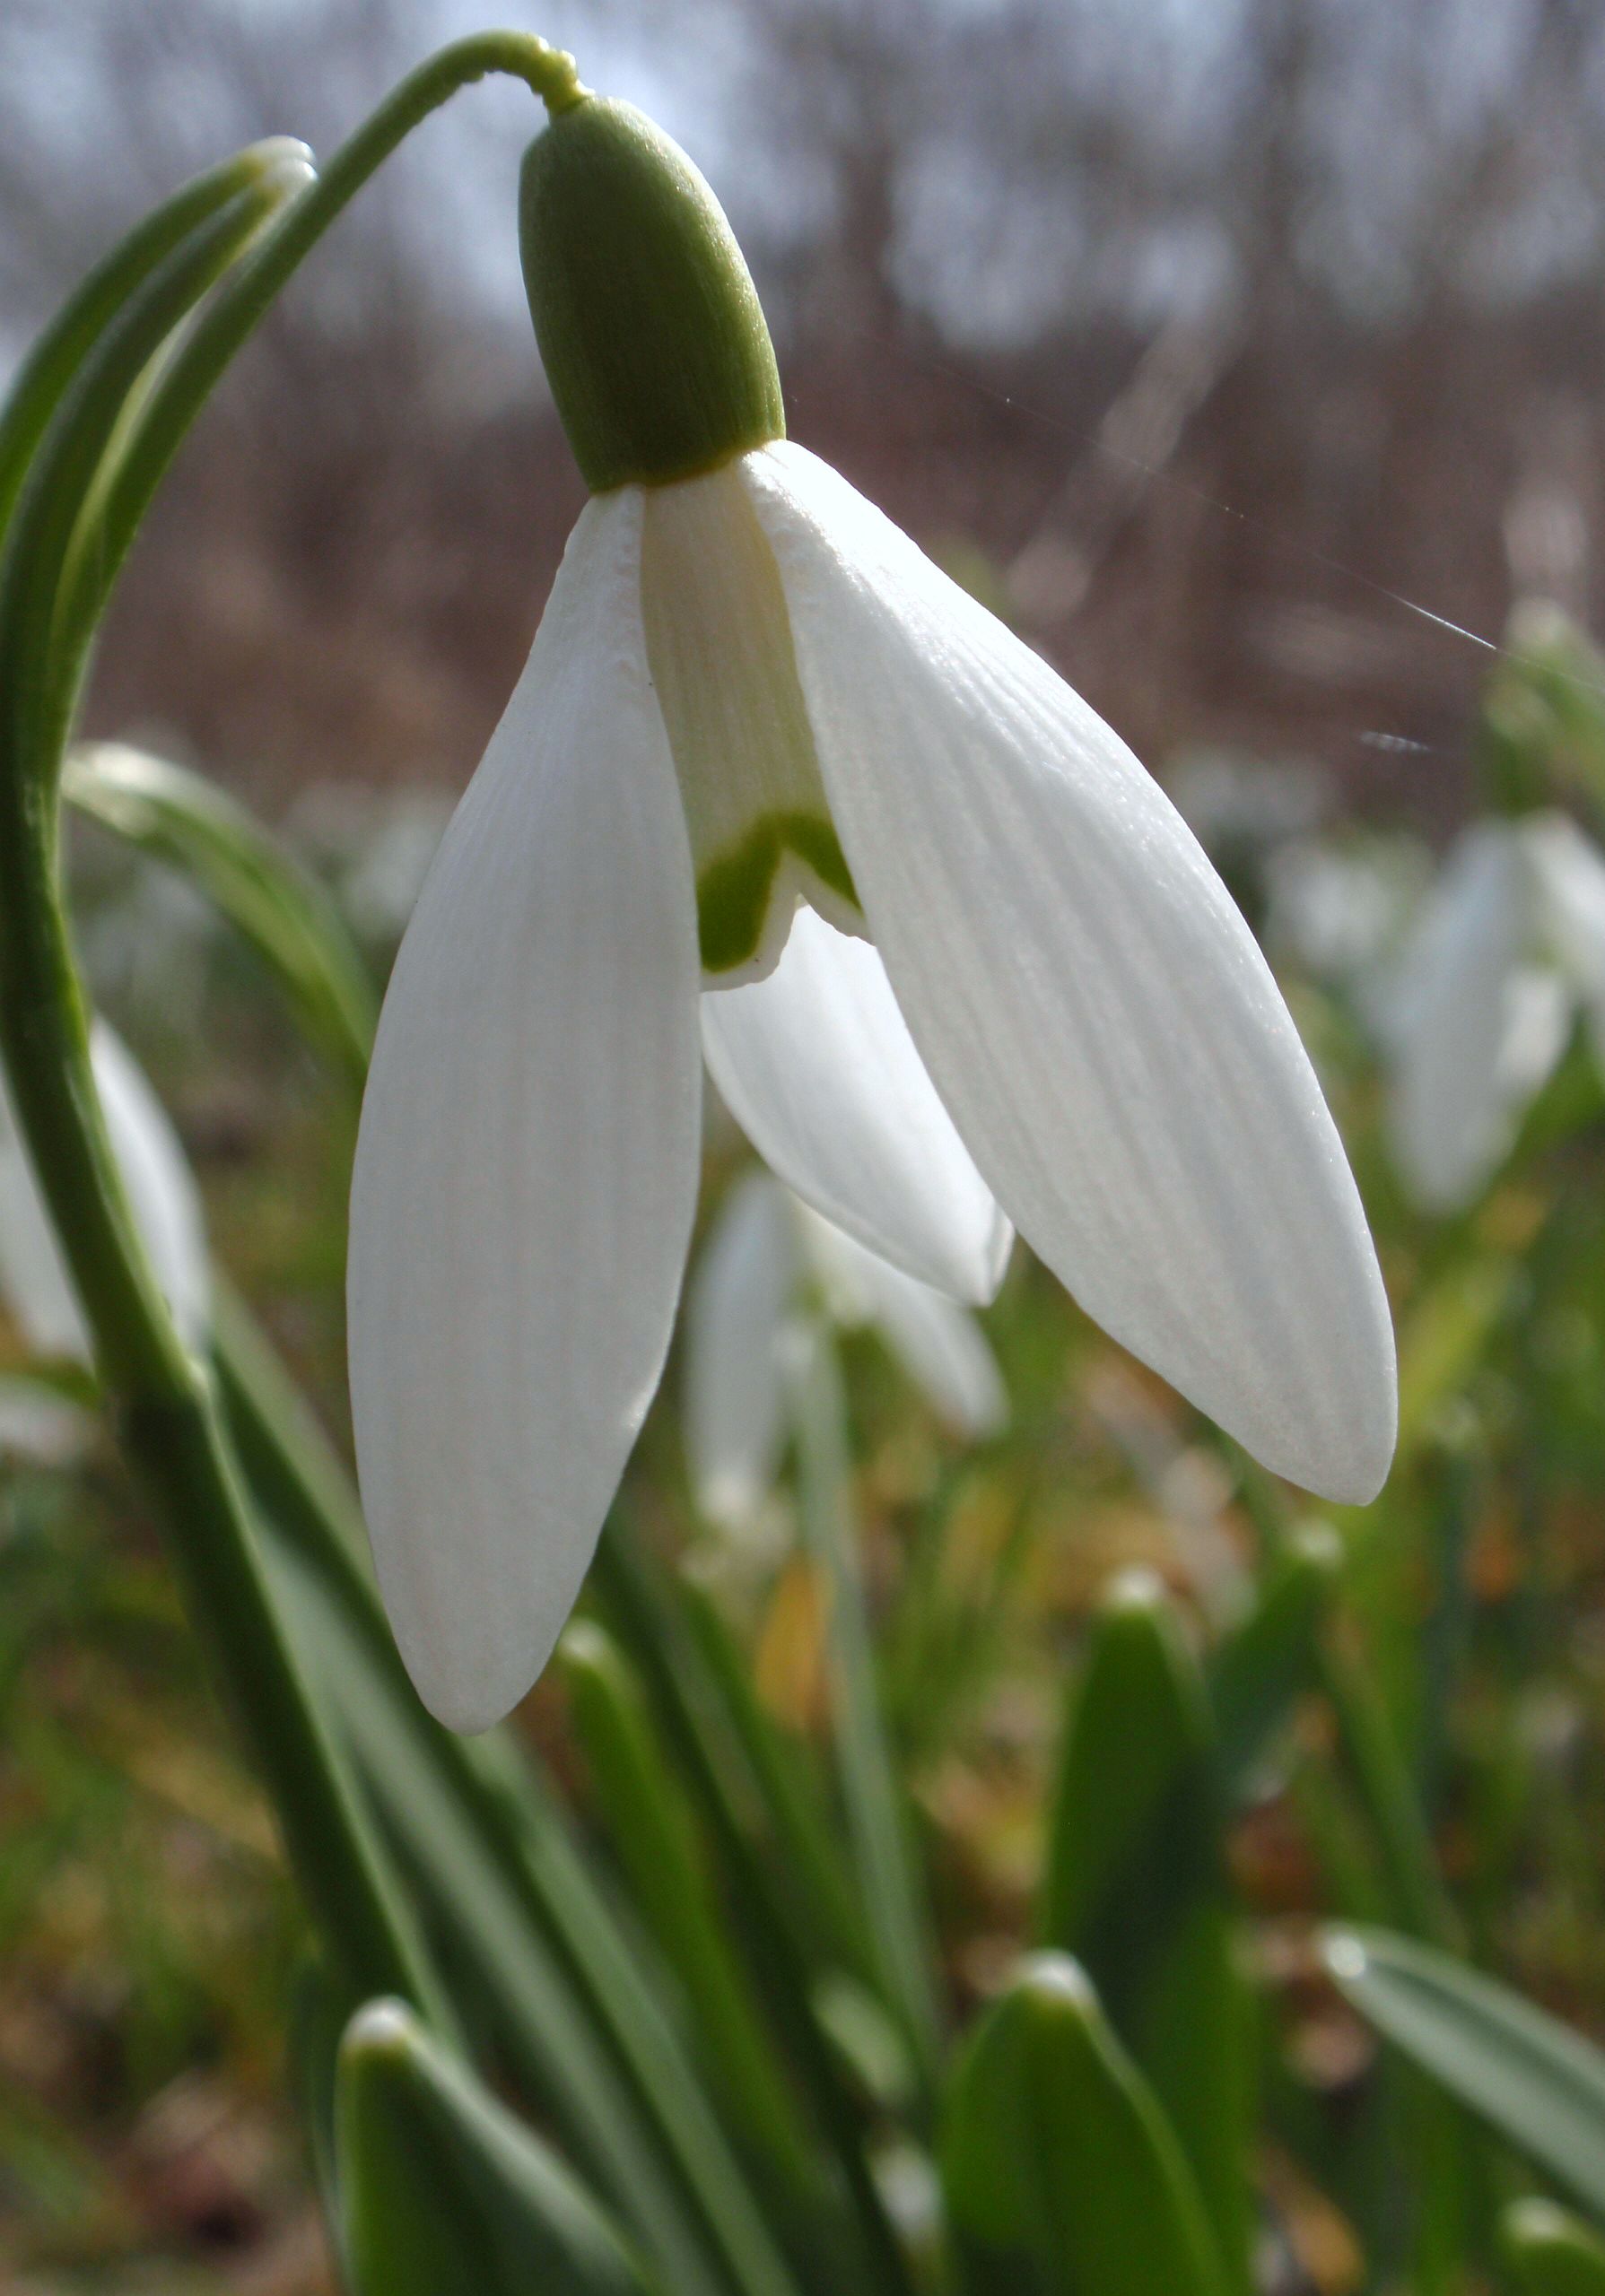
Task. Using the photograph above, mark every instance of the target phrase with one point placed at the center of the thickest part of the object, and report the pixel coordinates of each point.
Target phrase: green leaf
(1269, 1658)
(40, 691)
(1537, 2083)
(645, 1608)
(535, 1949)
(655, 1836)
(1057, 2158)
(878, 1818)
(320, 2008)
(1550, 2253)
(45, 372)
(443, 2193)
(1135, 1888)
(789, 1791)
(182, 820)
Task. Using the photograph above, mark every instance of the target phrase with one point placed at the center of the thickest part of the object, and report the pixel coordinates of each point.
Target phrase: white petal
(161, 1190)
(1090, 1004)
(41, 1426)
(1569, 888)
(161, 1196)
(527, 1165)
(818, 1067)
(735, 1406)
(1475, 1029)
(938, 1342)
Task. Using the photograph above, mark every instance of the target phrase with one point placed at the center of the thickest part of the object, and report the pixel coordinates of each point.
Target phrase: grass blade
(278, 907)
(1540, 2085)
(876, 1816)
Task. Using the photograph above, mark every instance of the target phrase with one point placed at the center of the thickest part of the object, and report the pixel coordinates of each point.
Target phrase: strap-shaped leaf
(443, 2193)
(656, 1837)
(789, 1791)
(1135, 1888)
(1549, 2252)
(1540, 2084)
(1258, 1669)
(878, 1817)
(274, 904)
(45, 372)
(1060, 2168)
(536, 1948)
(643, 1605)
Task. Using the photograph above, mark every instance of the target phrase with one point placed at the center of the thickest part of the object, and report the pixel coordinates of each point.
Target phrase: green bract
(652, 335)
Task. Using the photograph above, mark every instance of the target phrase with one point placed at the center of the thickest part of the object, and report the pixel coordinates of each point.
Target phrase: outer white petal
(1088, 1002)
(161, 1196)
(735, 1404)
(1475, 1029)
(940, 1343)
(526, 1164)
(819, 1068)
(1568, 875)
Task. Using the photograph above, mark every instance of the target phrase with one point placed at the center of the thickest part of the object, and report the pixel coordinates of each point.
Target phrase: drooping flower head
(771, 781)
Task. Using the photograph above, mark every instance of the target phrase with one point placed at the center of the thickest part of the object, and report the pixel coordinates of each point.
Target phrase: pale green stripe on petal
(718, 643)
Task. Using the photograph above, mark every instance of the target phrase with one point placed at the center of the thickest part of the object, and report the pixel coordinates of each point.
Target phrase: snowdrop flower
(41, 1427)
(34, 1281)
(1343, 908)
(766, 1253)
(952, 946)
(1510, 947)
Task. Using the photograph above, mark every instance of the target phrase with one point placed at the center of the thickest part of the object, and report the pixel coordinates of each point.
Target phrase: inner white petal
(1479, 1018)
(719, 646)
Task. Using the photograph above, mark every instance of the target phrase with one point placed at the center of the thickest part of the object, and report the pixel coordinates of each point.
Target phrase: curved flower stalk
(763, 748)
(1510, 949)
(769, 1261)
(162, 1198)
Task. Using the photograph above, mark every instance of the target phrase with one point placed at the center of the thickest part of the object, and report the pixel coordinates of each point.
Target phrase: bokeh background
(1248, 356)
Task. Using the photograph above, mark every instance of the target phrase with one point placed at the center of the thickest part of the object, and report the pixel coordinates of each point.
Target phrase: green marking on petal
(817, 843)
(733, 892)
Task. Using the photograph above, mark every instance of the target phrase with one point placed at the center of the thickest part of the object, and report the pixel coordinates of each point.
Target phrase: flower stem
(73, 434)
(240, 306)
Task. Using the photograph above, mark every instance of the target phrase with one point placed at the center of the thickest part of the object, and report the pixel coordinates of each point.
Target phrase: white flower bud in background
(37, 1289)
(1510, 949)
(769, 1260)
